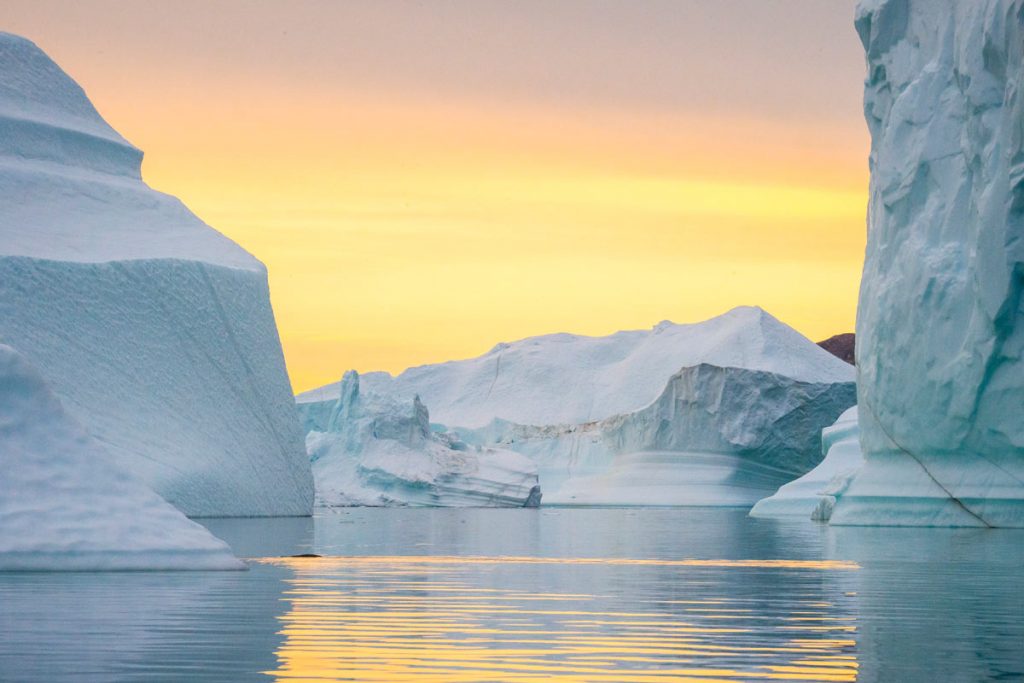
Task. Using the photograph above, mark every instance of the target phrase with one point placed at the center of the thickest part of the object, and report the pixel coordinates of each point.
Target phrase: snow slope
(64, 506)
(940, 325)
(154, 330)
(573, 379)
(707, 434)
(817, 489)
(374, 450)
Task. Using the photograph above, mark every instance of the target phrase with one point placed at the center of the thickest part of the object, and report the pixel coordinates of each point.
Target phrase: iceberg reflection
(437, 618)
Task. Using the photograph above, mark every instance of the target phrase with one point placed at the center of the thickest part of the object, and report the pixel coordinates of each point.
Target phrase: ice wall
(940, 326)
(813, 494)
(715, 436)
(155, 330)
(65, 506)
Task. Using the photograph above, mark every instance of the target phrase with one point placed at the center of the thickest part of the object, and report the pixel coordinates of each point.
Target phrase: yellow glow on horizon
(400, 232)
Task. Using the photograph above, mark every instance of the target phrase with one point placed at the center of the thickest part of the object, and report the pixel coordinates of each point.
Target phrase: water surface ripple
(527, 595)
(483, 618)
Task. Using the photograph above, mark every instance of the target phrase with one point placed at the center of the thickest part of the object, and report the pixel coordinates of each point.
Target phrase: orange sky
(424, 181)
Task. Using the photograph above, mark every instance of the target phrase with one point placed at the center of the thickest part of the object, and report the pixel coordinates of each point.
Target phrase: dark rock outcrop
(841, 346)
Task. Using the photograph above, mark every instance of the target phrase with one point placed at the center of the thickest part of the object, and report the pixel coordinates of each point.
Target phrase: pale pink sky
(426, 179)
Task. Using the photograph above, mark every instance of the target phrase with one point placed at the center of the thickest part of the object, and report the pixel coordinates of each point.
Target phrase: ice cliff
(940, 326)
(813, 495)
(64, 505)
(369, 449)
(715, 413)
(154, 330)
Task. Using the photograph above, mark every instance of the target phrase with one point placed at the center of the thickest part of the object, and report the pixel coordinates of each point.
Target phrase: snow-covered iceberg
(940, 325)
(154, 330)
(369, 449)
(575, 379)
(65, 506)
(715, 413)
(814, 493)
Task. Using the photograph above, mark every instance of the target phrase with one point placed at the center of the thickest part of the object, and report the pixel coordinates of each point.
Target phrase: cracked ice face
(940, 325)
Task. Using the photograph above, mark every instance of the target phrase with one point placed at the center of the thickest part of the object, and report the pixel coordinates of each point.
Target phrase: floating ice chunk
(375, 450)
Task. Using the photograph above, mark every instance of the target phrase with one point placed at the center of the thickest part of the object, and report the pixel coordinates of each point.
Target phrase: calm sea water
(536, 595)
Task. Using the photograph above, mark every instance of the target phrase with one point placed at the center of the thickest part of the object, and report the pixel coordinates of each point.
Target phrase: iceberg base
(814, 493)
(672, 478)
(898, 490)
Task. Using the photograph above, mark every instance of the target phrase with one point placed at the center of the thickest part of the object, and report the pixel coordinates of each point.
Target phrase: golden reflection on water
(432, 618)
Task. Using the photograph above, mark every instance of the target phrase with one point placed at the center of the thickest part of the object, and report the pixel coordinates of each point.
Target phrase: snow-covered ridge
(940, 325)
(374, 450)
(153, 329)
(65, 506)
(573, 379)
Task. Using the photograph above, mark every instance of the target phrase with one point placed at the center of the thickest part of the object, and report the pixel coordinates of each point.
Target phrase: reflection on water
(129, 626)
(526, 595)
(475, 618)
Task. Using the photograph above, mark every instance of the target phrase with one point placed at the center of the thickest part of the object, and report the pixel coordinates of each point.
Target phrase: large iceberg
(716, 413)
(575, 379)
(65, 506)
(940, 326)
(369, 449)
(813, 495)
(154, 330)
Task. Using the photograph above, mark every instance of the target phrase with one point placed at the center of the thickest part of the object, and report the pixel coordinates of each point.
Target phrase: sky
(425, 179)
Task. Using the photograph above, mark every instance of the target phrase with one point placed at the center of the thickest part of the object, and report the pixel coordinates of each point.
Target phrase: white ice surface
(154, 330)
(940, 324)
(65, 506)
(841, 445)
(377, 451)
(71, 187)
(573, 379)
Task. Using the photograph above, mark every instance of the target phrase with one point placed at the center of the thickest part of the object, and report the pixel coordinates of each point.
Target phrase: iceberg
(813, 495)
(374, 450)
(715, 413)
(154, 330)
(715, 436)
(940, 324)
(575, 379)
(65, 506)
